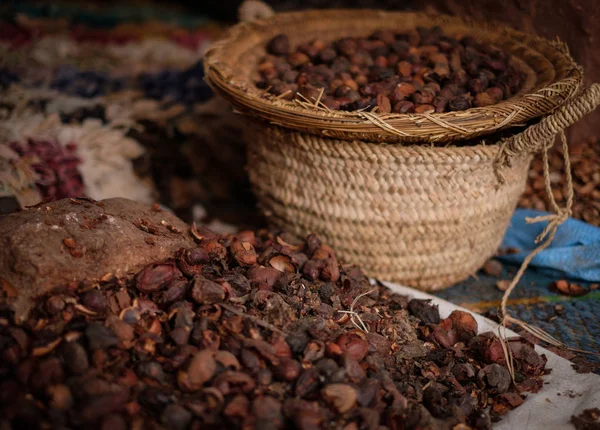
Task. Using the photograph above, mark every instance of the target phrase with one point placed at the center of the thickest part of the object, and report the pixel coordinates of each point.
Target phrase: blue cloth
(574, 253)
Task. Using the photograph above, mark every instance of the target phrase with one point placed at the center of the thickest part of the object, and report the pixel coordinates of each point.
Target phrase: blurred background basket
(409, 210)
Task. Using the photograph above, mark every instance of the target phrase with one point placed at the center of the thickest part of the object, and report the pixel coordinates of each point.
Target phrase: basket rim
(391, 128)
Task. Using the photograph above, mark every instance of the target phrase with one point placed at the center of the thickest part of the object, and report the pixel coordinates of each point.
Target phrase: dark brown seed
(60, 396)
(113, 422)
(196, 256)
(55, 304)
(383, 105)
(493, 268)
(341, 397)
(200, 370)
(459, 103)
(94, 300)
(288, 370)
(465, 324)
(100, 337)
(156, 277)
(307, 383)
(496, 377)
(238, 407)
(176, 417)
(354, 345)
(205, 291)
(404, 107)
(424, 108)
(243, 253)
(279, 45)
(75, 357)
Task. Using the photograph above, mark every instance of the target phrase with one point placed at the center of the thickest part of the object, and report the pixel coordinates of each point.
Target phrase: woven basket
(421, 215)
(231, 66)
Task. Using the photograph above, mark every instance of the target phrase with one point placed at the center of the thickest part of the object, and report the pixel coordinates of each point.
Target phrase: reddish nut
(383, 104)
(353, 345)
(464, 323)
(341, 397)
(288, 370)
(205, 291)
(279, 45)
(243, 253)
(425, 109)
(404, 107)
(404, 68)
(200, 370)
(156, 277)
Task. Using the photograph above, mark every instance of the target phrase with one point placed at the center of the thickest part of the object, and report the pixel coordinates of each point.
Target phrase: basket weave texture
(422, 215)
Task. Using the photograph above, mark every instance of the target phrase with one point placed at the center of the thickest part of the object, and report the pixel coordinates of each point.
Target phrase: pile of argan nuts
(415, 72)
(252, 331)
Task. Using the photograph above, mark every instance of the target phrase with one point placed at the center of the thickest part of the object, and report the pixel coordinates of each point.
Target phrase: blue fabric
(574, 252)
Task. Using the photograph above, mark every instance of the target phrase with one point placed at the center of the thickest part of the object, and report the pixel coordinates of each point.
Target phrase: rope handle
(251, 10)
(535, 137)
(541, 137)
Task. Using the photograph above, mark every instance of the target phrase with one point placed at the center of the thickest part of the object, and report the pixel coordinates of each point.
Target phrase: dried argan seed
(312, 269)
(282, 263)
(459, 103)
(496, 377)
(238, 407)
(176, 417)
(493, 267)
(404, 107)
(94, 300)
(113, 422)
(341, 397)
(569, 289)
(279, 45)
(425, 109)
(383, 104)
(60, 396)
(307, 382)
(297, 59)
(483, 100)
(464, 323)
(196, 256)
(404, 68)
(243, 252)
(156, 277)
(264, 276)
(463, 371)
(353, 345)
(199, 371)
(205, 291)
(55, 304)
(330, 103)
(100, 337)
(75, 357)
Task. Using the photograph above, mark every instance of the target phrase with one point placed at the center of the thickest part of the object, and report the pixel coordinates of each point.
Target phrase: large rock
(55, 244)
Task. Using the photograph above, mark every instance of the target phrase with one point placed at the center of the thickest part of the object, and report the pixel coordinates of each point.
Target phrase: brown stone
(34, 258)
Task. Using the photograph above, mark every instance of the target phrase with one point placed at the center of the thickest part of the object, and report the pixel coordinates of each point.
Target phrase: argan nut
(279, 45)
(383, 104)
(404, 107)
(425, 109)
(341, 397)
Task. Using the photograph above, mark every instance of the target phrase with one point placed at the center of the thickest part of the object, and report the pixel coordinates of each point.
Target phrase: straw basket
(380, 188)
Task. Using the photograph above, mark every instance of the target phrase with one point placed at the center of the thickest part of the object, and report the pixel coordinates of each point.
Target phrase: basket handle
(536, 137)
(541, 137)
(250, 10)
